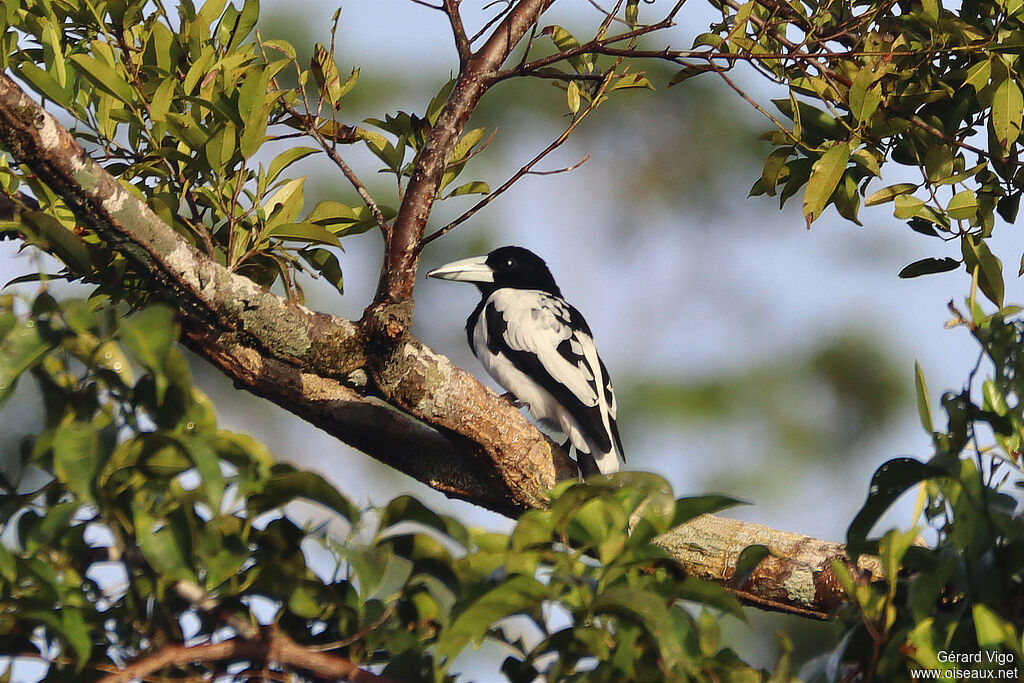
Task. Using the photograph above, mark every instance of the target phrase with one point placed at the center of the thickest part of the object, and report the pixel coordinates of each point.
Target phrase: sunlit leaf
(825, 176)
(104, 77)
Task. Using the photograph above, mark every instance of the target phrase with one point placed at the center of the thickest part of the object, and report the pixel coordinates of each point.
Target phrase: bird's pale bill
(474, 269)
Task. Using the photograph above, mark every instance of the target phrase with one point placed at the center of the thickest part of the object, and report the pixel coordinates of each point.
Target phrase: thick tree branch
(455, 466)
(797, 577)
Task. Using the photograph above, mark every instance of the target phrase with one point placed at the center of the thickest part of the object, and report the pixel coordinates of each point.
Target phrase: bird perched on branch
(540, 349)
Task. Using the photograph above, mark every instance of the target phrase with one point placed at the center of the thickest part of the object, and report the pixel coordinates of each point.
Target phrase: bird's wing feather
(542, 326)
(548, 340)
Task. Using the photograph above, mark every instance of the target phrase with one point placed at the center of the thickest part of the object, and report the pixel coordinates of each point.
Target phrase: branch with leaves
(345, 376)
(168, 204)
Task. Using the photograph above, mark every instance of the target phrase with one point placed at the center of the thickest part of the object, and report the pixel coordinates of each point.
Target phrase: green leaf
(105, 78)
(21, 350)
(648, 609)
(865, 94)
(245, 23)
(305, 602)
(775, 169)
(1007, 110)
(924, 408)
(150, 334)
(409, 509)
(282, 46)
(694, 506)
(927, 266)
(331, 213)
(466, 144)
(43, 82)
(907, 206)
(889, 482)
(187, 129)
(437, 103)
(750, 558)
(286, 159)
(326, 264)
(519, 594)
(572, 94)
(287, 484)
(711, 594)
(254, 133)
(963, 205)
(630, 81)
(825, 176)
(349, 83)
(846, 199)
(815, 120)
(161, 102)
(472, 187)
(163, 546)
(207, 463)
(938, 163)
(221, 147)
(888, 193)
(979, 75)
(289, 197)
(990, 270)
(325, 73)
(47, 231)
(685, 74)
(566, 41)
(304, 231)
(994, 632)
(891, 550)
(632, 12)
(866, 160)
(74, 629)
(76, 457)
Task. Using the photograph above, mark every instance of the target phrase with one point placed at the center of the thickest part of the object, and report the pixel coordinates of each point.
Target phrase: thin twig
(493, 20)
(608, 17)
(528, 168)
(308, 122)
(358, 635)
(270, 646)
(564, 169)
(537, 68)
(525, 67)
(764, 112)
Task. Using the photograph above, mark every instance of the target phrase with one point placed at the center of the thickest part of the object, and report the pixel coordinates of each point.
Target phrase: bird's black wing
(549, 341)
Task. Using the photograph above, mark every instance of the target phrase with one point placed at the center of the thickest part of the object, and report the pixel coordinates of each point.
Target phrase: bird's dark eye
(510, 263)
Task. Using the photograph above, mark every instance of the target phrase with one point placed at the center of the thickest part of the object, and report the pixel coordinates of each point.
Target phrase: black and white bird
(540, 349)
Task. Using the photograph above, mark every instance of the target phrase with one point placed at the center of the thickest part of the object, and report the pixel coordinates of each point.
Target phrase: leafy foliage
(911, 84)
(964, 592)
(154, 525)
(185, 109)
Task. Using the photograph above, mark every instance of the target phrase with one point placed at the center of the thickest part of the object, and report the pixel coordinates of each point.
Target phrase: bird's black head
(521, 269)
(514, 267)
